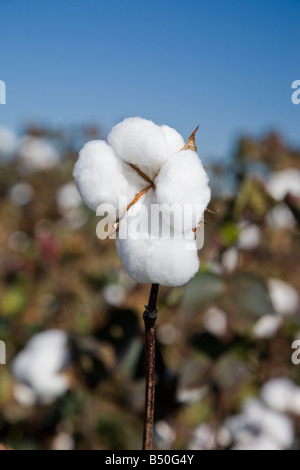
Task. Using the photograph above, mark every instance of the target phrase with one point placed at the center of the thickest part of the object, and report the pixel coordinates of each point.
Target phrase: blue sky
(225, 65)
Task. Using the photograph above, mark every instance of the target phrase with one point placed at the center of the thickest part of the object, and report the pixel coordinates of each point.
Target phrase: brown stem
(141, 173)
(137, 196)
(149, 316)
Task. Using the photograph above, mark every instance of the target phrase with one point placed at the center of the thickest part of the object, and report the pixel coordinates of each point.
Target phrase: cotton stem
(149, 316)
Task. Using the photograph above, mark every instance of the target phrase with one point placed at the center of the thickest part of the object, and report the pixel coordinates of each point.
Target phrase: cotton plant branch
(150, 314)
(171, 173)
(149, 317)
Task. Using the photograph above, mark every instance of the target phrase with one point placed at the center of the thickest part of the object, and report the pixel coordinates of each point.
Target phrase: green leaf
(205, 287)
(249, 294)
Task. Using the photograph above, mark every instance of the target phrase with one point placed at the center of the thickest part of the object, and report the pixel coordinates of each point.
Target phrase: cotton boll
(114, 294)
(67, 197)
(98, 175)
(24, 395)
(230, 259)
(164, 435)
(8, 142)
(69, 202)
(282, 394)
(267, 326)
(63, 441)
(102, 178)
(168, 333)
(50, 338)
(283, 296)
(280, 216)
(191, 395)
(215, 321)
(204, 438)
(141, 142)
(39, 364)
(247, 434)
(182, 181)
(21, 194)
(277, 393)
(113, 174)
(276, 425)
(37, 154)
(49, 387)
(237, 425)
(223, 437)
(283, 182)
(174, 140)
(249, 237)
(258, 423)
(165, 261)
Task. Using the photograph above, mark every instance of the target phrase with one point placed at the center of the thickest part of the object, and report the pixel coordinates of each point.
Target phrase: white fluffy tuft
(182, 180)
(37, 154)
(39, 365)
(174, 140)
(102, 178)
(283, 182)
(169, 262)
(141, 142)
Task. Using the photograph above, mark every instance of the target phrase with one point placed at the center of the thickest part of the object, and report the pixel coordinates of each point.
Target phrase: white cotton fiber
(277, 393)
(284, 297)
(21, 193)
(67, 198)
(143, 158)
(8, 142)
(174, 140)
(141, 142)
(266, 326)
(39, 365)
(37, 154)
(276, 425)
(259, 423)
(283, 182)
(102, 178)
(169, 262)
(182, 180)
(249, 236)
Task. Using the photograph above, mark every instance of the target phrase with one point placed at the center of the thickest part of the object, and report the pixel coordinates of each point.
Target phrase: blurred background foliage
(221, 340)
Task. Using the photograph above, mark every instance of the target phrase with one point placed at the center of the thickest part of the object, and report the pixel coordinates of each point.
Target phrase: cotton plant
(143, 164)
(153, 190)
